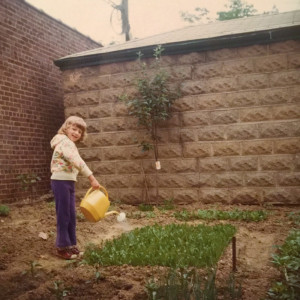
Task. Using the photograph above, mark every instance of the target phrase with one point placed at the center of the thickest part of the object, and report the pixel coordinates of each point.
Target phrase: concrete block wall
(31, 95)
(233, 137)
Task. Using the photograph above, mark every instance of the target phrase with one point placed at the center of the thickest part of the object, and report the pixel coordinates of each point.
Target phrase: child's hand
(94, 182)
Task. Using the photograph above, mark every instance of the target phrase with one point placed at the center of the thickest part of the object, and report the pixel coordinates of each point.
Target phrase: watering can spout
(113, 212)
(121, 216)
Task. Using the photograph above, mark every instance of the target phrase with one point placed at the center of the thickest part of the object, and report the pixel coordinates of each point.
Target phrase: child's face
(74, 133)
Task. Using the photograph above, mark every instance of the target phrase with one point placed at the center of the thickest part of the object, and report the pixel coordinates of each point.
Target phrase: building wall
(31, 95)
(233, 138)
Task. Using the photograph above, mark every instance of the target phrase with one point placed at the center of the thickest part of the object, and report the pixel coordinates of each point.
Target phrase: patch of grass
(294, 217)
(242, 215)
(150, 215)
(288, 263)
(80, 217)
(167, 205)
(116, 202)
(146, 207)
(175, 245)
(51, 204)
(4, 210)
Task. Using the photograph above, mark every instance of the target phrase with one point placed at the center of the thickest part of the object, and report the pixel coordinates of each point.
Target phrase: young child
(65, 165)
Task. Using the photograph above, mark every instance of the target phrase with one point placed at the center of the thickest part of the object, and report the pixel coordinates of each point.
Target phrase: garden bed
(30, 270)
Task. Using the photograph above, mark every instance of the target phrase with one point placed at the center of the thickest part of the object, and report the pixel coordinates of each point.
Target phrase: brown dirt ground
(29, 268)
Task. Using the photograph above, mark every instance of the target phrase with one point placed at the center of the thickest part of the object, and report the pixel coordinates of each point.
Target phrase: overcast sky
(98, 20)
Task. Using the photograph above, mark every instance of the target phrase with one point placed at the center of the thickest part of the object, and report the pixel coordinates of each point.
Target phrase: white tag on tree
(157, 165)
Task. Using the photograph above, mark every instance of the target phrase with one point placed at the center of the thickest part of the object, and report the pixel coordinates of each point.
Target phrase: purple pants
(64, 193)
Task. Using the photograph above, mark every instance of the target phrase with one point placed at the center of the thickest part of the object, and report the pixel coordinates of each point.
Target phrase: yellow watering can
(95, 204)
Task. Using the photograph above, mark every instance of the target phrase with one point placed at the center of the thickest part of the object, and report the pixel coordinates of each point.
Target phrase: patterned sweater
(66, 162)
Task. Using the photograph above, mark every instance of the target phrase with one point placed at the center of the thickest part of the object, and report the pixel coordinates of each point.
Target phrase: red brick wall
(31, 105)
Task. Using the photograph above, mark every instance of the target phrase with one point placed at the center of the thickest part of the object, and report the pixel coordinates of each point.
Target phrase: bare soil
(29, 269)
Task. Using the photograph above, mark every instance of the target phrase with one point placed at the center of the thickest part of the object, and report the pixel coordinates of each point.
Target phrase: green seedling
(234, 289)
(32, 268)
(152, 286)
(72, 264)
(59, 290)
(4, 210)
(98, 275)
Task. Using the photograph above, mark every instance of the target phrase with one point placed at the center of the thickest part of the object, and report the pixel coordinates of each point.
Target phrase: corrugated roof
(206, 32)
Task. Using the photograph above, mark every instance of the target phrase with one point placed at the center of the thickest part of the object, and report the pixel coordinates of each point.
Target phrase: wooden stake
(234, 254)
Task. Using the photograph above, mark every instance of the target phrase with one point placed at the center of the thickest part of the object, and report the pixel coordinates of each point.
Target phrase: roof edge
(228, 41)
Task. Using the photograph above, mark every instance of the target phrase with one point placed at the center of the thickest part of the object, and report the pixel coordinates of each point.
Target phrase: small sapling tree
(152, 103)
(28, 182)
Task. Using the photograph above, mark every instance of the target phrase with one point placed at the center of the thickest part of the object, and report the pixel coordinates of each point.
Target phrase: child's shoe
(66, 254)
(75, 251)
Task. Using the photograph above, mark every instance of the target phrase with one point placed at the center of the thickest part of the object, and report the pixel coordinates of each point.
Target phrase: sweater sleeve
(71, 154)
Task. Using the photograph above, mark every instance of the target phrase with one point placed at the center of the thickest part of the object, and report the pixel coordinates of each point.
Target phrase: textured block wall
(31, 96)
(233, 138)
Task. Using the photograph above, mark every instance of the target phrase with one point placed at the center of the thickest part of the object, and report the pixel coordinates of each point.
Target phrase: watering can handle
(101, 187)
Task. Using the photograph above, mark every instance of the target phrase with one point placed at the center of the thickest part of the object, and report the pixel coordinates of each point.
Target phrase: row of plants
(186, 284)
(168, 204)
(174, 245)
(147, 211)
(287, 261)
(212, 214)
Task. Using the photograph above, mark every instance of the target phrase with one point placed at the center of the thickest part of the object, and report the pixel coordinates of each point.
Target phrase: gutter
(228, 41)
